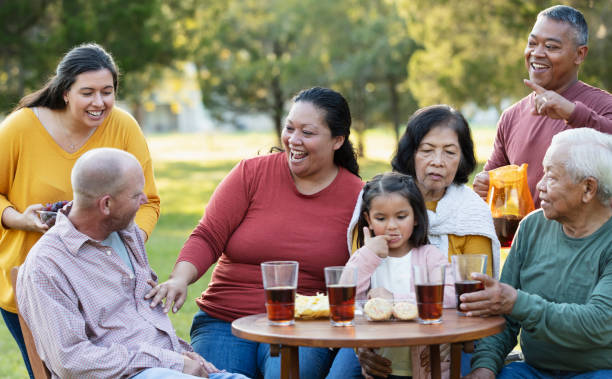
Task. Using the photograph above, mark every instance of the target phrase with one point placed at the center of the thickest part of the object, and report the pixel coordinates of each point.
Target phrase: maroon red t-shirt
(523, 137)
(256, 214)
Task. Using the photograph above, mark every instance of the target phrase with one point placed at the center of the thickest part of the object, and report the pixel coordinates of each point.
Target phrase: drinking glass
(463, 267)
(341, 285)
(429, 288)
(280, 283)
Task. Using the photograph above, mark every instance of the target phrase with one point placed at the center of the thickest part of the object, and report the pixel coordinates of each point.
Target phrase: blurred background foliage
(388, 57)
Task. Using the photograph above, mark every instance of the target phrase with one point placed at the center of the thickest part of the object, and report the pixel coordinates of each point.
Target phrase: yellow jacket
(35, 169)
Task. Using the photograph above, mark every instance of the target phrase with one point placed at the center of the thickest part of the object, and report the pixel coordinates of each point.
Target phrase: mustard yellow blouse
(467, 244)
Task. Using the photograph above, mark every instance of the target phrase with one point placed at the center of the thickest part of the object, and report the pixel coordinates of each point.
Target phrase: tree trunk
(277, 106)
(277, 95)
(359, 118)
(137, 112)
(395, 112)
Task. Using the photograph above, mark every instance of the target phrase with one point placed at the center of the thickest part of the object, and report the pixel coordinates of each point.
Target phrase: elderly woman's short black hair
(419, 124)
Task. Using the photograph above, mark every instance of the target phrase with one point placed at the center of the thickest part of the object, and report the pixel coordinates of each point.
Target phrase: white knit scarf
(460, 212)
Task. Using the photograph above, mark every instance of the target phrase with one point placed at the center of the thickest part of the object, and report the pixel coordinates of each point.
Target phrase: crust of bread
(378, 309)
(404, 310)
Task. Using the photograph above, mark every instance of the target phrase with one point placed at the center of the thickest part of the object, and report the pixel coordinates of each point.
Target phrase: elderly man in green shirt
(556, 286)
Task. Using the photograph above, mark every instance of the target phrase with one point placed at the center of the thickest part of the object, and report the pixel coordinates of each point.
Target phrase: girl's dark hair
(338, 118)
(83, 58)
(421, 123)
(395, 182)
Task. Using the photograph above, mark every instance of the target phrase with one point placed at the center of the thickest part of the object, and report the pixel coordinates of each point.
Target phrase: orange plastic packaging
(509, 199)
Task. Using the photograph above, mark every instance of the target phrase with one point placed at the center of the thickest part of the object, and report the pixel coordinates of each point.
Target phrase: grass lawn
(188, 167)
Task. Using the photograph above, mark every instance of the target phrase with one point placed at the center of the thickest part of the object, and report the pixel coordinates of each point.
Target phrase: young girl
(393, 237)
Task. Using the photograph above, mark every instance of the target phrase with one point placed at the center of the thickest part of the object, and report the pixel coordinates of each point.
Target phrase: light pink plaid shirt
(86, 308)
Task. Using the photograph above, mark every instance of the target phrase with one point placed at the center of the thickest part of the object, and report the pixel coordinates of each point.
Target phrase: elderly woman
(294, 205)
(437, 150)
(556, 287)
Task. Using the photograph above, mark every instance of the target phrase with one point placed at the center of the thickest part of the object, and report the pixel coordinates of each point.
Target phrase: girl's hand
(380, 292)
(377, 244)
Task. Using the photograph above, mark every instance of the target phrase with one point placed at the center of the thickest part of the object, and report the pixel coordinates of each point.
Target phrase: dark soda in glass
(341, 303)
(429, 301)
(466, 286)
(505, 227)
(280, 305)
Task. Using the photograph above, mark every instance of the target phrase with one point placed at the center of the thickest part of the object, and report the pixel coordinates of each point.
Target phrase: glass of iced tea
(463, 267)
(341, 285)
(429, 288)
(280, 283)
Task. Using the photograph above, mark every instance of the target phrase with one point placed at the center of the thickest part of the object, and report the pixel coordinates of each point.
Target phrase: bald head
(101, 171)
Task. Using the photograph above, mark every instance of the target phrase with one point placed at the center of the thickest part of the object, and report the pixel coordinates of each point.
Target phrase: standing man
(556, 47)
(81, 289)
(556, 286)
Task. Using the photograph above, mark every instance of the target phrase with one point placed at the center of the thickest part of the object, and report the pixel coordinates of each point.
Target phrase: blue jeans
(213, 339)
(166, 373)
(12, 323)
(345, 365)
(520, 370)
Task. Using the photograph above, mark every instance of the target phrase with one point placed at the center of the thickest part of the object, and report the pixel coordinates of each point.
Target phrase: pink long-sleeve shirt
(86, 308)
(366, 262)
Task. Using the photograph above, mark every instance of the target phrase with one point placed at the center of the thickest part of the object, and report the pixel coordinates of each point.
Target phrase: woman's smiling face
(91, 97)
(308, 141)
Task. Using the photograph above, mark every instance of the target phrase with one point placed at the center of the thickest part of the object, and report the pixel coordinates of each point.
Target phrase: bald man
(81, 289)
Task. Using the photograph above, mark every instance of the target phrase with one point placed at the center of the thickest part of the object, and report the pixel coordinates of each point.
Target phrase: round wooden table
(454, 329)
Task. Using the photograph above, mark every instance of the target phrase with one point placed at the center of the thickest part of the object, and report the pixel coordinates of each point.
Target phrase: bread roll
(404, 310)
(378, 309)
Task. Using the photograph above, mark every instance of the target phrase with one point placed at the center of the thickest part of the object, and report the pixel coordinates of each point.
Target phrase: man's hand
(208, 367)
(193, 367)
(550, 103)
(496, 299)
(480, 373)
(481, 184)
(173, 290)
(377, 244)
(373, 364)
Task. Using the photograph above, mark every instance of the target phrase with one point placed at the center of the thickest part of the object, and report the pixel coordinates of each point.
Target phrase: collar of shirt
(74, 239)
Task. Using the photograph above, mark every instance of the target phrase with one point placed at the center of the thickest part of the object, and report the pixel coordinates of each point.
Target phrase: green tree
(473, 51)
(370, 50)
(24, 53)
(139, 34)
(252, 56)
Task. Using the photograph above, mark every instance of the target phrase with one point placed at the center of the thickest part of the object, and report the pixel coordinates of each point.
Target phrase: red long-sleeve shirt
(523, 137)
(256, 214)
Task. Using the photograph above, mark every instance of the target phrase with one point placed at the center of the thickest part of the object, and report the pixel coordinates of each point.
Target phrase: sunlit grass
(188, 167)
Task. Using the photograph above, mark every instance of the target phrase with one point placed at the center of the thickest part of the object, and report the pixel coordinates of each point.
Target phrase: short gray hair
(574, 17)
(99, 172)
(589, 154)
